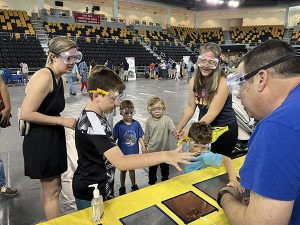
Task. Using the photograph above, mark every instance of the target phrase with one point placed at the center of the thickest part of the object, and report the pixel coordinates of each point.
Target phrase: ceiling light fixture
(233, 3)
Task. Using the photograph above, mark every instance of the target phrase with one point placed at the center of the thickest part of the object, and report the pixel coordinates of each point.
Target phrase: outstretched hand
(180, 133)
(176, 156)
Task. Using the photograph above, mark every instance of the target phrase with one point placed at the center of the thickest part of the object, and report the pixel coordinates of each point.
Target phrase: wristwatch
(220, 195)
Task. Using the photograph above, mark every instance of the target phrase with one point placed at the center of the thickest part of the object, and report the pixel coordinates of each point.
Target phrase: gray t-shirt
(157, 133)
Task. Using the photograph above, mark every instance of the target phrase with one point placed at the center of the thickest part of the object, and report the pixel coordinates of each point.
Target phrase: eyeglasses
(117, 97)
(70, 57)
(156, 109)
(203, 61)
(127, 112)
(235, 80)
(197, 147)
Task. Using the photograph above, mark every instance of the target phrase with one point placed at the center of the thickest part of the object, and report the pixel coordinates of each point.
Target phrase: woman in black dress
(44, 148)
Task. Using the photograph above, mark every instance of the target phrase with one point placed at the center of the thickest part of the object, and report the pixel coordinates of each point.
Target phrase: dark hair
(270, 51)
(126, 104)
(200, 132)
(93, 63)
(106, 79)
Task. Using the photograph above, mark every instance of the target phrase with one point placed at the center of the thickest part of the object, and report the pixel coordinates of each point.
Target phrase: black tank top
(225, 117)
(54, 103)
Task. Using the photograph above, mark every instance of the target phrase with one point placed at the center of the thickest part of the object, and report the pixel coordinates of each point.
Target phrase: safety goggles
(203, 61)
(117, 97)
(70, 57)
(127, 112)
(235, 80)
(156, 109)
(197, 147)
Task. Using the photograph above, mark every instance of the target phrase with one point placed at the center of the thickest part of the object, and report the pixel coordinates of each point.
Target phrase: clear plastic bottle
(96, 204)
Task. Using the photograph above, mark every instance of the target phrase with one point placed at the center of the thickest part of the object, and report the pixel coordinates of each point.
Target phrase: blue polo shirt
(272, 165)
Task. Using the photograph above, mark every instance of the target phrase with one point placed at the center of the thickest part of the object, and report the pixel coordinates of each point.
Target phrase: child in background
(98, 154)
(129, 133)
(157, 131)
(200, 138)
(83, 71)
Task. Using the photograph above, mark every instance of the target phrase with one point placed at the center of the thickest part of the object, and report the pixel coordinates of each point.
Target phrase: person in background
(72, 76)
(208, 91)
(129, 133)
(126, 68)
(98, 153)
(157, 134)
(5, 190)
(268, 83)
(83, 71)
(92, 65)
(24, 70)
(44, 147)
(152, 70)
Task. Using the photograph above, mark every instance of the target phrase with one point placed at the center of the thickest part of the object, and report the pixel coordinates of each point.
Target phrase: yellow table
(153, 195)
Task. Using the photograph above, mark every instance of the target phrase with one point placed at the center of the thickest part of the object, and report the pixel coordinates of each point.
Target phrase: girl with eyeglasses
(208, 91)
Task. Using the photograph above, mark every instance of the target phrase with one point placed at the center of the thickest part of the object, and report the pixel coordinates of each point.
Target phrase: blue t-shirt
(202, 161)
(128, 136)
(272, 165)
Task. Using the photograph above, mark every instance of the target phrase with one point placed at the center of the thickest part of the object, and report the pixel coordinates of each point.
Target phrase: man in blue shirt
(267, 82)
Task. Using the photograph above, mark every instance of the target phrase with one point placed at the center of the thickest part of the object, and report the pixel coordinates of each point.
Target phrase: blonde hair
(153, 101)
(211, 82)
(58, 45)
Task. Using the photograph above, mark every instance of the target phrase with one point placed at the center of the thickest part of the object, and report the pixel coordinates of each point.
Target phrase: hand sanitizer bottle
(96, 204)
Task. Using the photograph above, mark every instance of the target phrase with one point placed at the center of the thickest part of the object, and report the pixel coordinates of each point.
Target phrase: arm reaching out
(233, 182)
(130, 162)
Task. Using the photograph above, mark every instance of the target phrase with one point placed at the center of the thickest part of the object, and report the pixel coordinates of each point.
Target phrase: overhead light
(233, 3)
(212, 2)
(221, 2)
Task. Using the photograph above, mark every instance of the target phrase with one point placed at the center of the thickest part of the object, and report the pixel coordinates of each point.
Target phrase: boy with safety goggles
(129, 133)
(199, 142)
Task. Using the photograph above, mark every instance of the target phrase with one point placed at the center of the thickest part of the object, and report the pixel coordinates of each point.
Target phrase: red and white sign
(86, 18)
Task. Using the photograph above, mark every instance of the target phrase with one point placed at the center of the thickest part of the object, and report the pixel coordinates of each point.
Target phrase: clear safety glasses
(70, 57)
(212, 63)
(197, 147)
(156, 109)
(235, 80)
(117, 97)
(128, 112)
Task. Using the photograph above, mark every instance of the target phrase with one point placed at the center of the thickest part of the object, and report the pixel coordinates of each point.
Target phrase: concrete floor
(27, 208)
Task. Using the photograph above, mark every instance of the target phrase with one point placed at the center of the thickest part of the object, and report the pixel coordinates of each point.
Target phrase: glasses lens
(156, 109)
(120, 97)
(208, 62)
(233, 83)
(70, 58)
(128, 112)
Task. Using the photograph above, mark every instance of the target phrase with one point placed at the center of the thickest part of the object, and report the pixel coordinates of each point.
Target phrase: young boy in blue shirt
(199, 142)
(129, 133)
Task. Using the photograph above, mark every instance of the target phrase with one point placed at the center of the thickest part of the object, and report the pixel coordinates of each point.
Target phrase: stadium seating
(80, 30)
(248, 34)
(116, 51)
(15, 21)
(13, 51)
(190, 36)
(149, 36)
